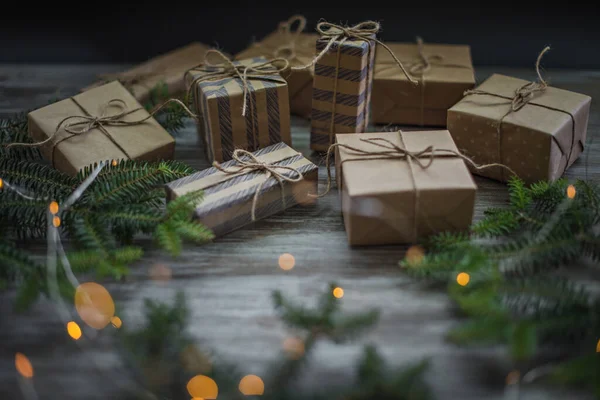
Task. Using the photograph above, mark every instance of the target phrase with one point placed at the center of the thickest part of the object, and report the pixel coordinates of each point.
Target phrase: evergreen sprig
(515, 256)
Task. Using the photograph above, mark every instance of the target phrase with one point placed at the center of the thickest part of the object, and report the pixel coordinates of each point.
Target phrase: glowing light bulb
(74, 330)
(23, 365)
(463, 279)
(571, 192)
(252, 385)
(56, 221)
(286, 261)
(338, 292)
(53, 208)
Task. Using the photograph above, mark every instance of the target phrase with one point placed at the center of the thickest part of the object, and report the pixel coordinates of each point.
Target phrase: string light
(116, 322)
(252, 385)
(415, 254)
(23, 365)
(463, 279)
(53, 208)
(74, 330)
(94, 305)
(338, 292)
(286, 261)
(1, 183)
(56, 221)
(571, 191)
(114, 163)
(513, 377)
(201, 386)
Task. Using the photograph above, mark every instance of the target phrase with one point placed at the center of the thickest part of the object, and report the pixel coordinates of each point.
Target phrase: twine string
(248, 162)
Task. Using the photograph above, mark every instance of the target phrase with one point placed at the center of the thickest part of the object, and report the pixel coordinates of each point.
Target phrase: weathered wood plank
(228, 282)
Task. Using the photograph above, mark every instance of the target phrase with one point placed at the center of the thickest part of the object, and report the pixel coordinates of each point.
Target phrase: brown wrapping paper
(539, 141)
(228, 199)
(165, 69)
(300, 81)
(396, 101)
(147, 141)
(224, 128)
(394, 201)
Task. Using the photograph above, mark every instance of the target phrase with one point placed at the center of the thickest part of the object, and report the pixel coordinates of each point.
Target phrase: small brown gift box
(394, 200)
(538, 141)
(228, 198)
(299, 49)
(395, 100)
(104, 141)
(165, 69)
(219, 100)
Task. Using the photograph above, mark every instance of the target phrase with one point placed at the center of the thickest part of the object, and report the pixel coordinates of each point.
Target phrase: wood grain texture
(228, 282)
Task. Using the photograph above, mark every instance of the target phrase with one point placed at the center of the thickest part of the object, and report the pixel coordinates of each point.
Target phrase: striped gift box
(346, 68)
(225, 129)
(228, 199)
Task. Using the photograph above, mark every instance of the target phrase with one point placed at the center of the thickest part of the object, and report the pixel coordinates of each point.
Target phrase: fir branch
(36, 178)
(15, 130)
(520, 197)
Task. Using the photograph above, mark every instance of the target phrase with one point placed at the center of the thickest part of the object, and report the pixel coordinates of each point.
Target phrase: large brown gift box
(395, 100)
(219, 100)
(104, 141)
(299, 49)
(167, 69)
(538, 141)
(228, 198)
(395, 200)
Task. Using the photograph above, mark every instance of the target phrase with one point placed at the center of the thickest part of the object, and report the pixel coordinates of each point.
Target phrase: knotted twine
(290, 35)
(391, 151)
(424, 64)
(87, 122)
(363, 31)
(523, 96)
(248, 162)
(228, 69)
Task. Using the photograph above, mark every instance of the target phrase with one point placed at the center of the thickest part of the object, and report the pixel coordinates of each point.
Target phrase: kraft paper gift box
(164, 72)
(219, 100)
(341, 90)
(394, 200)
(299, 49)
(141, 140)
(228, 198)
(538, 141)
(395, 100)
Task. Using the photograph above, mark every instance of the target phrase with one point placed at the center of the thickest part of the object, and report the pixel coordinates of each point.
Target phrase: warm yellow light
(160, 273)
(294, 347)
(74, 330)
(252, 385)
(203, 387)
(415, 254)
(116, 322)
(338, 292)
(463, 279)
(286, 261)
(598, 346)
(114, 163)
(571, 192)
(53, 207)
(513, 377)
(1, 183)
(94, 305)
(56, 221)
(23, 365)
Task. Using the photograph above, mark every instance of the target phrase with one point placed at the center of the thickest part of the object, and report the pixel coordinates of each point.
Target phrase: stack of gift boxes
(394, 187)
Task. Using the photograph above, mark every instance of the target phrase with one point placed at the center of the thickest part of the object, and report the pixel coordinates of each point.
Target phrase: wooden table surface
(228, 283)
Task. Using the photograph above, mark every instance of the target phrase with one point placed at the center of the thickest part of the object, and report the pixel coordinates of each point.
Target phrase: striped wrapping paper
(351, 64)
(225, 129)
(228, 198)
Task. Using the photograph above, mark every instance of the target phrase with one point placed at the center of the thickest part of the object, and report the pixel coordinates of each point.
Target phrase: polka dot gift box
(536, 130)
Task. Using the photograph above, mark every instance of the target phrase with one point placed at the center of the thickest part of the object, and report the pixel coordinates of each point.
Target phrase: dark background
(500, 33)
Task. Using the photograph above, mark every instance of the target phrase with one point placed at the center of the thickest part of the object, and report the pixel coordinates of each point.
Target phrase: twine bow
(77, 125)
(248, 162)
(288, 49)
(225, 69)
(363, 31)
(523, 96)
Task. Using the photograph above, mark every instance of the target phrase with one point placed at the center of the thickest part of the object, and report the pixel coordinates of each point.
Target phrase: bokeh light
(202, 386)
(513, 377)
(252, 385)
(598, 346)
(194, 360)
(114, 163)
(53, 208)
(294, 347)
(23, 365)
(74, 330)
(116, 322)
(463, 279)
(1, 183)
(415, 254)
(571, 191)
(286, 261)
(338, 292)
(56, 221)
(160, 273)
(94, 305)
